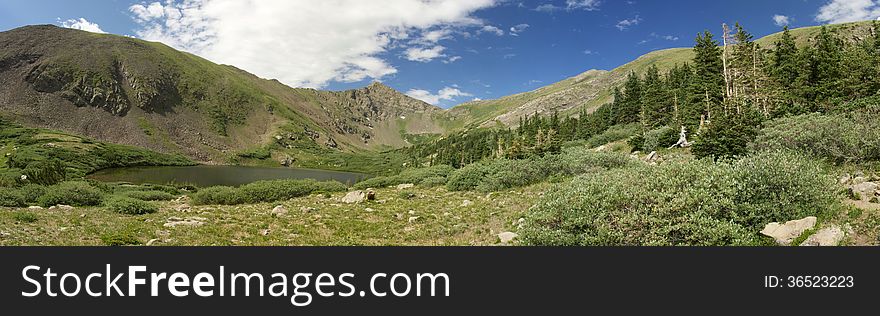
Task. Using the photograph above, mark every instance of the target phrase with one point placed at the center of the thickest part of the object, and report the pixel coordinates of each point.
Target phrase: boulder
(507, 237)
(354, 197)
(865, 189)
(828, 236)
(785, 233)
(404, 186)
(192, 222)
(62, 207)
(36, 208)
(652, 157)
(279, 210)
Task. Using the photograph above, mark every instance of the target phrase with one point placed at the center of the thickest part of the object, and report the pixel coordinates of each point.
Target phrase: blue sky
(445, 52)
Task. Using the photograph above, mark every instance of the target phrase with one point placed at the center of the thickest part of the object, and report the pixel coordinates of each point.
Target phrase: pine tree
(655, 103)
(826, 60)
(785, 71)
(631, 107)
(707, 88)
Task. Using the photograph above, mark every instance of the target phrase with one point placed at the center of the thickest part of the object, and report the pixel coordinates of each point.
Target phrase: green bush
(218, 195)
(727, 136)
(130, 206)
(45, 172)
(10, 178)
(681, 203)
(12, 198)
(119, 239)
(71, 193)
(841, 138)
(468, 177)
(25, 217)
(265, 191)
(780, 186)
(149, 195)
(414, 176)
(660, 138)
(431, 182)
(32, 192)
(614, 133)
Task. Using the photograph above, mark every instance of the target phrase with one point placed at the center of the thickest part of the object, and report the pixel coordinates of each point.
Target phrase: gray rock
(828, 236)
(785, 233)
(369, 210)
(859, 180)
(152, 241)
(306, 209)
(413, 219)
(62, 207)
(651, 157)
(865, 189)
(507, 237)
(35, 208)
(354, 197)
(191, 222)
(404, 186)
(844, 179)
(466, 203)
(279, 210)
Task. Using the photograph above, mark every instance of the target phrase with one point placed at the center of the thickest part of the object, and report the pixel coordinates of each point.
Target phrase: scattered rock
(286, 161)
(466, 203)
(35, 207)
(785, 233)
(411, 212)
(191, 221)
(61, 207)
(4, 234)
(404, 186)
(369, 210)
(859, 180)
(354, 197)
(279, 210)
(306, 209)
(183, 208)
(413, 219)
(506, 237)
(652, 157)
(865, 189)
(265, 232)
(520, 223)
(844, 179)
(152, 241)
(828, 236)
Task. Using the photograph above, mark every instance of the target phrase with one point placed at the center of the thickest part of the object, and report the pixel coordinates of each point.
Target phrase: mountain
(593, 88)
(124, 90)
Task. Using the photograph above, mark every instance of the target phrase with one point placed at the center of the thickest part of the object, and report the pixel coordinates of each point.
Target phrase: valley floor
(411, 217)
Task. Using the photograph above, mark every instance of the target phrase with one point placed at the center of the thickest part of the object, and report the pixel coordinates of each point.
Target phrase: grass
(439, 219)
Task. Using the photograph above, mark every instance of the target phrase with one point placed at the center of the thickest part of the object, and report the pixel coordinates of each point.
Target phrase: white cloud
(547, 7)
(840, 11)
(588, 52)
(625, 24)
(445, 94)
(424, 55)
(306, 43)
(492, 29)
(588, 5)
(81, 24)
(515, 30)
(452, 59)
(781, 20)
(670, 38)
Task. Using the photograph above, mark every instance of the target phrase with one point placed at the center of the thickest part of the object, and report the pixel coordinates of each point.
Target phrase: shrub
(45, 172)
(660, 138)
(727, 136)
(25, 217)
(218, 195)
(414, 176)
(32, 192)
(467, 178)
(431, 182)
(12, 198)
(265, 191)
(119, 239)
(149, 195)
(10, 178)
(681, 203)
(780, 186)
(131, 206)
(71, 193)
(841, 138)
(613, 134)
(636, 142)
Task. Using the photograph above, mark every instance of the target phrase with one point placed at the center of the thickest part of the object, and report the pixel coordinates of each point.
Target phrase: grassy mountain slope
(129, 91)
(593, 88)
